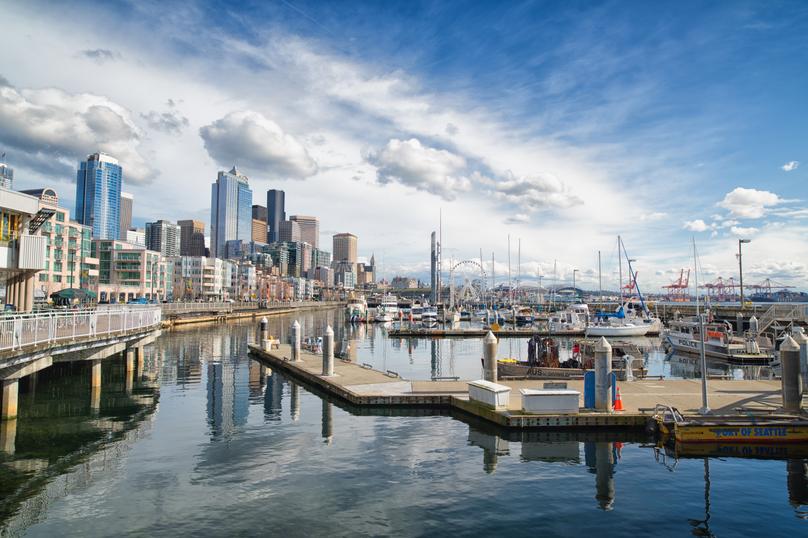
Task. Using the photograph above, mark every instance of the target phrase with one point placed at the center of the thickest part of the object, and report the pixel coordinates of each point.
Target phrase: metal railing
(227, 307)
(21, 331)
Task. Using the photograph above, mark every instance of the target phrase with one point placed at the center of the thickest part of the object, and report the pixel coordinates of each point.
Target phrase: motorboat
(572, 320)
(383, 315)
(416, 312)
(525, 316)
(684, 336)
(390, 305)
(429, 316)
(356, 310)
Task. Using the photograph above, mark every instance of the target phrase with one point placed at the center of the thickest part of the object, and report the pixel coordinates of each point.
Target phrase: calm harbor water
(205, 441)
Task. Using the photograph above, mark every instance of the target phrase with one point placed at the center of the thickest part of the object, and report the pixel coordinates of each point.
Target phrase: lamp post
(740, 266)
(574, 289)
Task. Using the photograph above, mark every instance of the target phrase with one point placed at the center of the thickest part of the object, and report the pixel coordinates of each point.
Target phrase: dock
(363, 386)
(518, 332)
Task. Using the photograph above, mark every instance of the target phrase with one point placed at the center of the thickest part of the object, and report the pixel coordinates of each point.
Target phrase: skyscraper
(163, 237)
(192, 237)
(276, 213)
(289, 232)
(6, 174)
(126, 214)
(230, 211)
(345, 246)
(98, 195)
(309, 229)
(259, 212)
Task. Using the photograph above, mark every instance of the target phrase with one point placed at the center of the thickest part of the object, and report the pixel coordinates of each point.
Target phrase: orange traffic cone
(618, 401)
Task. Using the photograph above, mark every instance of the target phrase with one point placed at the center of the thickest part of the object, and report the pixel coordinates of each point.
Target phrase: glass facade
(98, 195)
(230, 211)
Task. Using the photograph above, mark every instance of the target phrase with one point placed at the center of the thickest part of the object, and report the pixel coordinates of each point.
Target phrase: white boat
(416, 312)
(356, 310)
(390, 305)
(573, 320)
(429, 316)
(684, 335)
(382, 315)
(616, 329)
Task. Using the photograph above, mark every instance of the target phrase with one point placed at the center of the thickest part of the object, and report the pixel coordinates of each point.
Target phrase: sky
(559, 125)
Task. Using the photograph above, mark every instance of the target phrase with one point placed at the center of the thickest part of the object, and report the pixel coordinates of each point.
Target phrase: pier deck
(365, 386)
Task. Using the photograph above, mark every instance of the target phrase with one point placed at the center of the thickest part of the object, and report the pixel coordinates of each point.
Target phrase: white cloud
(518, 218)
(257, 144)
(534, 193)
(49, 126)
(651, 217)
(790, 165)
(749, 203)
(739, 230)
(410, 163)
(697, 225)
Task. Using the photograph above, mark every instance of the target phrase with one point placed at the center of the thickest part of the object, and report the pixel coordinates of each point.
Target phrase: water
(203, 443)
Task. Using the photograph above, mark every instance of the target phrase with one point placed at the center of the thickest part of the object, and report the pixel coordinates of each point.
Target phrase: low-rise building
(128, 272)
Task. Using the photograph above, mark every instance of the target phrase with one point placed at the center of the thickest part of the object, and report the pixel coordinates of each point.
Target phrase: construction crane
(765, 288)
(721, 290)
(677, 290)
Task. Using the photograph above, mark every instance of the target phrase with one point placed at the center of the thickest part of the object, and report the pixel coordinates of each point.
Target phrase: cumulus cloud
(740, 230)
(697, 225)
(790, 165)
(749, 203)
(410, 163)
(534, 193)
(99, 55)
(255, 142)
(519, 218)
(171, 122)
(51, 126)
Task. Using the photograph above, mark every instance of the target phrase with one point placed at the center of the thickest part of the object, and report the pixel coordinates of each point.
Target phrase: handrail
(28, 330)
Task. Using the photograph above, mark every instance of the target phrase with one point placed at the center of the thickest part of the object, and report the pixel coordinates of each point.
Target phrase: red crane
(677, 290)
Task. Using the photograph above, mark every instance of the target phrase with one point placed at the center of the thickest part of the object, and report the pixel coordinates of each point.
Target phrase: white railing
(20, 331)
(195, 307)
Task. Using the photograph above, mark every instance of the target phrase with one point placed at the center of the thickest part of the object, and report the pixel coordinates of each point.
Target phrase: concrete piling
(294, 400)
(8, 436)
(328, 351)
(604, 475)
(791, 379)
(802, 341)
(603, 378)
(327, 429)
(739, 323)
(753, 325)
(10, 397)
(490, 357)
(264, 334)
(295, 335)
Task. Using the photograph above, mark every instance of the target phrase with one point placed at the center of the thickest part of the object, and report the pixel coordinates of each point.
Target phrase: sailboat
(617, 323)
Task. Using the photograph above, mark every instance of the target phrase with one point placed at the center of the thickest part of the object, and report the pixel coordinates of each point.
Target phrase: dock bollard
(264, 328)
(490, 357)
(629, 368)
(791, 380)
(295, 330)
(328, 351)
(802, 341)
(603, 378)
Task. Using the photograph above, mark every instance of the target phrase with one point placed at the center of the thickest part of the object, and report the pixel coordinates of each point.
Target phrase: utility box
(492, 395)
(550, 401)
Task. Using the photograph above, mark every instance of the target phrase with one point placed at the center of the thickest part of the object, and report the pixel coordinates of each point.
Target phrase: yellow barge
(724, 430)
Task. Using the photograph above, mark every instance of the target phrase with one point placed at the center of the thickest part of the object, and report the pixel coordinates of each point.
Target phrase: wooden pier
(363, 386)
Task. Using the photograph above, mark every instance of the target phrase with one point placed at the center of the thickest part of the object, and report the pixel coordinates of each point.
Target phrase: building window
(60, 216)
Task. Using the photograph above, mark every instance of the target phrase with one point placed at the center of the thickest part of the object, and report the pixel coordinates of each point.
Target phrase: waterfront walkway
(367, 387)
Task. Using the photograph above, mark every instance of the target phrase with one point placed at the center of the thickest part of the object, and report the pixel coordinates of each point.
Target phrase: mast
(705, 408)
(440, 253)
(493, 280)
(482, 280)
(620, 265)
(518, 264)
(600, 281)
(555, 281)
(510, 291)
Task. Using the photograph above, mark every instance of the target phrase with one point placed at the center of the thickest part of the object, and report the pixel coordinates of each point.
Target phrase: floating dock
(361, 385)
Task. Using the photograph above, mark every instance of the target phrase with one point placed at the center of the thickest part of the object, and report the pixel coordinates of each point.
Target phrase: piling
(802, 341)
(328, 351)
(753, 325)
(327, 429)
(264, 333)
(295, 336)
(603, 378)
(490, 357)
(791, 380)
(629, 375)
(604, 475)
(739, 323)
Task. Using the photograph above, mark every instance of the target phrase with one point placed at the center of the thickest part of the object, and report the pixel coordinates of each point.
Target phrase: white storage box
(491, 394)
(550, 402)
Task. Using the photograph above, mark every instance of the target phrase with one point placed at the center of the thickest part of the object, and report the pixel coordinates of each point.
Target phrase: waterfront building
(325, 275)
(276, 213)
(163, 237)
(22, 254)
(280, 257)
(128, 272)
(345, 274)
(68, 263)
(98, 195)
(192, 237)
(309, 229)
(6, 176)
(127, 201)
(345, 247)
(136, 236)
(289, 232)
(230, 210)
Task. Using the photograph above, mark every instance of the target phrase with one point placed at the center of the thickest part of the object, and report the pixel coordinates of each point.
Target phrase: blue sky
(560, 123)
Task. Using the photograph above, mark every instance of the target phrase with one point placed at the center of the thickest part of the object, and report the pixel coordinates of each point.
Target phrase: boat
(684, 336)
(356, 310)
(572, 320)
(465, 315)
(416, 312)
(525, 316)
(429, 316)
(618, 329)
(383, 315)
(390, 305)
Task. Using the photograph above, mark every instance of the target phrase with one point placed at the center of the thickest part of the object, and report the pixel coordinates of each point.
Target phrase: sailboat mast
(600, 281)
(705, 408)
(518, 265)
(510, 291)
(493, 280)
(620, 265)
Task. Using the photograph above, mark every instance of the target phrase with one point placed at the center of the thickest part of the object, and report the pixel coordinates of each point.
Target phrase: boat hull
(617, 330)
(754, 433)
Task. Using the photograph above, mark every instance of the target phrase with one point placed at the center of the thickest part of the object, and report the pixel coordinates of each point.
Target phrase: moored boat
(684, 336)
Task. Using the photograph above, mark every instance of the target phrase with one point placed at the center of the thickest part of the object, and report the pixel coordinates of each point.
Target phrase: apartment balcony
(27, 253)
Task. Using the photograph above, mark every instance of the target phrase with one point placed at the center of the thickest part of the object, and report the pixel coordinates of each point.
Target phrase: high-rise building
(136, 236)
(345, 246)
(276, 213)
(289, 232)
(126, 213)
(259, 230)
(98, 195)
(230, 211)
(6, 175)
(163, 237)
(309, 229)
(259, 212)
(192, 237)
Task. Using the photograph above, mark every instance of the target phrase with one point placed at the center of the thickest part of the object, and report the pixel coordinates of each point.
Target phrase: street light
(740, 265)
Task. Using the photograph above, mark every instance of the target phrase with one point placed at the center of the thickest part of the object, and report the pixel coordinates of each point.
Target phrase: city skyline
(543, 139)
